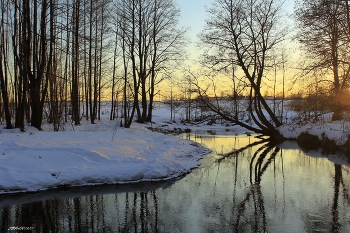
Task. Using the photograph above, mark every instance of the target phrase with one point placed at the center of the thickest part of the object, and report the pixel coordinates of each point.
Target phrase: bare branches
(242, 34)
(154, 45)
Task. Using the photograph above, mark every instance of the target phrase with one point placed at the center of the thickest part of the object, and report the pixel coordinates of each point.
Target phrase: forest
(60, 59)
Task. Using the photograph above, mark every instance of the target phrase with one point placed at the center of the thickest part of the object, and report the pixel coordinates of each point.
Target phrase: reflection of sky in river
(259, 189)
(297, 193)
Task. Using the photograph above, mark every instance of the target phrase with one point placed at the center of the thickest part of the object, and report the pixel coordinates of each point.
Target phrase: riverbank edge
(305, 140)
(309, 141)
(200, 150)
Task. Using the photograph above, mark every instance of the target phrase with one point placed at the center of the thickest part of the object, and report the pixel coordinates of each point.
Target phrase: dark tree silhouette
(243, 34)
(324, 32)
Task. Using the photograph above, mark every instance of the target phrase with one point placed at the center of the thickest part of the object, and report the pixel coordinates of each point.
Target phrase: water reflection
(119, 208)
(246, 185)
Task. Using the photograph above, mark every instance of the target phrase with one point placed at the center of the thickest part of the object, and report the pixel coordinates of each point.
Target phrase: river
(245, 185)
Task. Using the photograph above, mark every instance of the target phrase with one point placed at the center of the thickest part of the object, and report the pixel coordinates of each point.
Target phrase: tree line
(58, 56)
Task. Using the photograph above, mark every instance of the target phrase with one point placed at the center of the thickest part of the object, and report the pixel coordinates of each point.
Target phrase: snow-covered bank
(337, 131)
(330, 137)
(36, 160)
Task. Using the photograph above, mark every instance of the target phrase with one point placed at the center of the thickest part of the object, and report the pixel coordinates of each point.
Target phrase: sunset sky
(193, 16)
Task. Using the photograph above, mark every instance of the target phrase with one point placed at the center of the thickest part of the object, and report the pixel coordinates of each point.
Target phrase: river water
(245, 185)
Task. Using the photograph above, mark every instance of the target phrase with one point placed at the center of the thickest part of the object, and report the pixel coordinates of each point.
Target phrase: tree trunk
(338, 105)
(3, 73)
(113, 75)
(75, 64)
(5, 98)
(34, 91)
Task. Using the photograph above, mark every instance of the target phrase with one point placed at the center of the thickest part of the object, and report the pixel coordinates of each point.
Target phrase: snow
(90, 155)
(104, 153)
(336, 130)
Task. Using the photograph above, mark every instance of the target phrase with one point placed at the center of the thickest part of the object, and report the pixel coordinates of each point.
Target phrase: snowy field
(105, 153)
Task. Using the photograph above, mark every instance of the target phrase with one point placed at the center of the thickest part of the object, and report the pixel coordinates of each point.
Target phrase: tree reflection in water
(338, 184)
(337, 180)
(254, 196)
(120, 212)
(250, 186)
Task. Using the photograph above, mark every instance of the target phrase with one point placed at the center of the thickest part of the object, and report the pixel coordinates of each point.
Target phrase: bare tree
(167, 43)
(19, 39)
(33, 57)
(154, 42)
(112, 114)
(242, 34)
(324, 32)
(3, 65)
(127, 18)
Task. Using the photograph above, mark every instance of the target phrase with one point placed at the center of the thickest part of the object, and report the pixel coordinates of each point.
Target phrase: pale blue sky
(193, 14)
